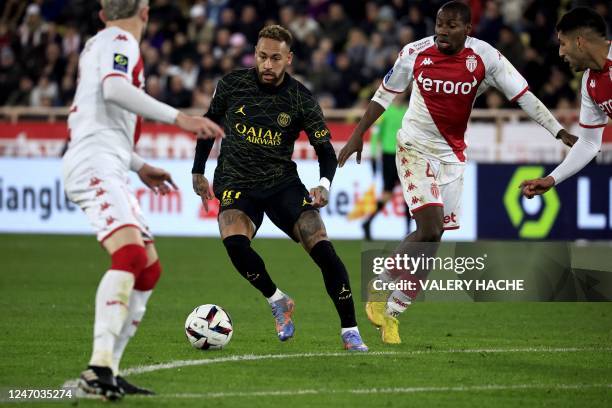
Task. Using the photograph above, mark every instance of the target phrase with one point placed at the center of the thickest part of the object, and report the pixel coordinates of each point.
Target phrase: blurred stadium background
(343, 49)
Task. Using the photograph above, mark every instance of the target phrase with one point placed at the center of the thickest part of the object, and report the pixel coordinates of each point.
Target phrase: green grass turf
(47, 286)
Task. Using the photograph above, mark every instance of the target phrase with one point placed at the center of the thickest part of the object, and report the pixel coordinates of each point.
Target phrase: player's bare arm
(202, 188)
(355, 143)
(310, 229)
(157, 179)
(201, 126)
(567, 138)
(539, 186)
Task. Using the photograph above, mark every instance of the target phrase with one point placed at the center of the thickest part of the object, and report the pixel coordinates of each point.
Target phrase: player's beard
(273, 80)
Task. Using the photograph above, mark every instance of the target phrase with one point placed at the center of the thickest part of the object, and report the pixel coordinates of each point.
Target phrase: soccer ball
(208, 327)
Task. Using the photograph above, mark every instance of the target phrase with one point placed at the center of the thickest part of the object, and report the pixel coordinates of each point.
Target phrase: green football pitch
(453, 354)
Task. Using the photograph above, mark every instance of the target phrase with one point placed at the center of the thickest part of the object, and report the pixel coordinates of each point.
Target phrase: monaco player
(583, 44)
(447, 72)
(104, 127)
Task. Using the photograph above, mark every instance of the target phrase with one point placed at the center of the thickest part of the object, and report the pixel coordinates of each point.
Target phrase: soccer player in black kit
(263, 109)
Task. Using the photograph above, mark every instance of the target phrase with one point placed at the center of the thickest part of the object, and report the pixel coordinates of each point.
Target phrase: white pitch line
(397, 390)
(256, 357)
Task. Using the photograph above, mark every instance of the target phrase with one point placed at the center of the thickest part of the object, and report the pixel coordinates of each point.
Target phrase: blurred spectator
(249, 25)
(33, 27)
(320, 75)
(511, 47)
(177, 95)
(54, 63)
(9, 73)
(71, 43)
(189, 73)
(200, 29)
(22, 95)
(154, 87)
(67, 90)
(45, 93)
(421, 26)
(337, 25)
(490, 23)
(303, 26)
(357, 46)
(555, 89)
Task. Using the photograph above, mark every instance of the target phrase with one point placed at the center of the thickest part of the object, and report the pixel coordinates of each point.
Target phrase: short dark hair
(582, 17)
(278, 33)
(462, 9)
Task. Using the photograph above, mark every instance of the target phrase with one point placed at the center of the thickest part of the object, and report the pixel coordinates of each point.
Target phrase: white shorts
(106, 198)
(428, 182)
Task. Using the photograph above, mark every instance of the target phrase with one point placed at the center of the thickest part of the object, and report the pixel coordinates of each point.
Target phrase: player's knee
(149, 276)
(129, 258)
(430, 233)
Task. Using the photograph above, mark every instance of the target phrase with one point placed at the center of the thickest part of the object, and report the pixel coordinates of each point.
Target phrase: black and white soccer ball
(208, 327)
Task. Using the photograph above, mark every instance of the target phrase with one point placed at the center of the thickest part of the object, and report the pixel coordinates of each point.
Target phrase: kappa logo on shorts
(94, 181)
(110, 220)
(100, 192)
(411, 187)
(435, 191)
(408, 173)
(104, 206)
(120, 62)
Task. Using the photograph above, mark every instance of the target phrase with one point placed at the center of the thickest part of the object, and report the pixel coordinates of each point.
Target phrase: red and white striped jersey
(443, 92)
(95, 124)
(596, 106)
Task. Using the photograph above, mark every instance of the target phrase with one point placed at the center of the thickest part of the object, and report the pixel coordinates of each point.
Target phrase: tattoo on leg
(311, 229)
(235, 219)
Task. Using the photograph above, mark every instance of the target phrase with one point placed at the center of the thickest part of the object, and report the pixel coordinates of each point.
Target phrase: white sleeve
(583, 151)
(591, 116)
(398, 79)
(539, 113)
(119, 91)
(501, 74)
(136, 162)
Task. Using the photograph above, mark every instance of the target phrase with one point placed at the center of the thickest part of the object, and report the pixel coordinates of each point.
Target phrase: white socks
(345, 329)
(112, 299)
(137, 308)
(397, 303)
(278, 295)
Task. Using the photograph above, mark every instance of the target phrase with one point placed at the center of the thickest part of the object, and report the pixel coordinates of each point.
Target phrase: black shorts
(389, 171)
(283, 206)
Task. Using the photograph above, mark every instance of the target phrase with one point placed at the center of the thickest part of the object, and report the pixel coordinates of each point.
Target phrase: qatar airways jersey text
(97, 126)
(596, 92)
(444, 88)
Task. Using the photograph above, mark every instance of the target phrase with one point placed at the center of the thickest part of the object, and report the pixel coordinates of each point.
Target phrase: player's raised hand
(531, 188)
(354, 145)
(204, 128)
(320, 196)
(202, 188)
(567, 138)
(157, 179)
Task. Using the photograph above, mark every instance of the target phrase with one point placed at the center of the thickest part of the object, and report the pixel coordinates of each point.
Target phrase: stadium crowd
(342, 48)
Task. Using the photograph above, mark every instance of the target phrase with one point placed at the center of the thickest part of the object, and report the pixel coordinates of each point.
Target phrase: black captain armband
(202, 151)
(327, 160)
